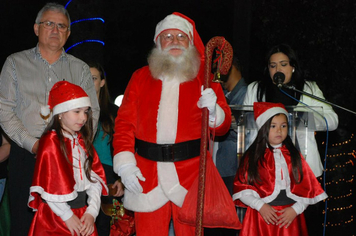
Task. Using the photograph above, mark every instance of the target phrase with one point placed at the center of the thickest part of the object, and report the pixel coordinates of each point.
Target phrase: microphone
(278, 79)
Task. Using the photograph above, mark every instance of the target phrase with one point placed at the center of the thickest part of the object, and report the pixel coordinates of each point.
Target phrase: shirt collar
(37, 52)
(277, 146)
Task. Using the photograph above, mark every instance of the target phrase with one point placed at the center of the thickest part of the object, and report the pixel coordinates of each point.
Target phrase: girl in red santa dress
(273, 179)
(69, 178)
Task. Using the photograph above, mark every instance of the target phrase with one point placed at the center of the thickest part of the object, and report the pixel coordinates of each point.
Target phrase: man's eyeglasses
(170, 37)
(50, 25)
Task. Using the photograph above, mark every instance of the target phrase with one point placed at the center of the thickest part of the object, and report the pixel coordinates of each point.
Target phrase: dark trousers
(21, 168)
(103, 221)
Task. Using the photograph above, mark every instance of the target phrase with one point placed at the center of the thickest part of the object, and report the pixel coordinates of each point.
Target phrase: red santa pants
(156, 223)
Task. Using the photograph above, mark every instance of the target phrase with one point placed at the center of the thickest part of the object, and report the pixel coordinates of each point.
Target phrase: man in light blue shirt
(25, 81)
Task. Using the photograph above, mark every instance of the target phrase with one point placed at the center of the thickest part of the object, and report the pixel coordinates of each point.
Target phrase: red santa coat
(155, 111)
(53, 181)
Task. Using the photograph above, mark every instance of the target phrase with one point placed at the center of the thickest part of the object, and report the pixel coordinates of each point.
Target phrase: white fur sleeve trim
(97, 177)
(123, 158)
(61, 209)
(219, 117)
(253, 202)
(244, 193)
(299, 207)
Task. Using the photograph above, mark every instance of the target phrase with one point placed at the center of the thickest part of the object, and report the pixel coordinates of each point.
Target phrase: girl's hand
(88, 224)
(74, 225)
(287, 216)
(269, 214)
(119, 188)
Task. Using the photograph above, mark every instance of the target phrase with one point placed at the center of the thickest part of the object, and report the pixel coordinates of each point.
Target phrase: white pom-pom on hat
(45, 110)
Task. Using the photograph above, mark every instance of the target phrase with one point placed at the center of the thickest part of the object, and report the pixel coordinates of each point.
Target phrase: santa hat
(183, 23)
(65, 96)
(263, 111)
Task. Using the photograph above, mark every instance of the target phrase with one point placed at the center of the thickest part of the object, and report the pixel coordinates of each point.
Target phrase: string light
(88, 19)
(86, 41)
(344, 222)
(340, 208)
(353, 153)
(67, 4)
(335, 208)
(81, 20)
(342, 143)
(336, 167)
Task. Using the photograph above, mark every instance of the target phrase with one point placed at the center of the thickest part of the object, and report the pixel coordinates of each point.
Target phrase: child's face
(278, 130)
(74, 120)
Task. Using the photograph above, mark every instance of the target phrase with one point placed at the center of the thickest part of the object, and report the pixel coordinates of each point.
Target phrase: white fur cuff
(123, 158)
(219, 117)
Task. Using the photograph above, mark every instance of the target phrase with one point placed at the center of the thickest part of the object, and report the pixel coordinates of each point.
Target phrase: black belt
(168, 152)
(282, 199)
(78, 202)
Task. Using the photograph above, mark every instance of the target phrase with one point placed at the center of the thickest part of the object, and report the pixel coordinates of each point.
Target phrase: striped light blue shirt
(25, 81)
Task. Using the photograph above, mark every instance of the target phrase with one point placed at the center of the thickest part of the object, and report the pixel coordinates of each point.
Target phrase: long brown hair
(106, 120)
(87, 134)
(255, 155)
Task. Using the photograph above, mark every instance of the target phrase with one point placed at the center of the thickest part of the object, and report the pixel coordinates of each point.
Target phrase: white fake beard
(184, 67)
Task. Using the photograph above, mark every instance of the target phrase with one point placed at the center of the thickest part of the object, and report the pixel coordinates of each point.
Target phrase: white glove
(130, 174)
(208, 100)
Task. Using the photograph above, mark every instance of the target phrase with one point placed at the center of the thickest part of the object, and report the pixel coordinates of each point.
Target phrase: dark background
(323, 32)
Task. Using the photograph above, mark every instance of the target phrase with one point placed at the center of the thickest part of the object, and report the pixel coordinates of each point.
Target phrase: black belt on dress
(282, 199)
(168, 152)
(78, 202)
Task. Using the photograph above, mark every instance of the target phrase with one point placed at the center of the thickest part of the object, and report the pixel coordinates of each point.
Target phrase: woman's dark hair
(106, 120)
(255, 154)
(87, 134)
(266, 85)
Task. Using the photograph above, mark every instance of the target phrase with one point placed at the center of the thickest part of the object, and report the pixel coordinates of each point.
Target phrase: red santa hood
(183, 23)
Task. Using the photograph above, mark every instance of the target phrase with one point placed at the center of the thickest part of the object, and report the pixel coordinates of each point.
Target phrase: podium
(300, 123)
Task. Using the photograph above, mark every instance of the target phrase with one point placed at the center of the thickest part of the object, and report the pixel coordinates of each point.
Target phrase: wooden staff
(225, 52)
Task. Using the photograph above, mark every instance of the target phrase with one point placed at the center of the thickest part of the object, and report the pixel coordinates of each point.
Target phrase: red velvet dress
(308, 191)
(54, 181)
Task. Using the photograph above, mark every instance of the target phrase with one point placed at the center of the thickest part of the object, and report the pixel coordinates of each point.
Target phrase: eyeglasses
(50, 25)
(170, 37)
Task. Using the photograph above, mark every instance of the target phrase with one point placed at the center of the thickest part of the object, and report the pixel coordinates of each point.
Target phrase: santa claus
(158, 127)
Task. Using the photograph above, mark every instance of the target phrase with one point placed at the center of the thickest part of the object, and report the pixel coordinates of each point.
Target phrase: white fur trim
(168, 189)
(169, 181)
(148, 202)
(123, 158)
(71, 104)
(174, 22)
(51, 197)
(261, 119)
(219, 117)
(167, 118)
